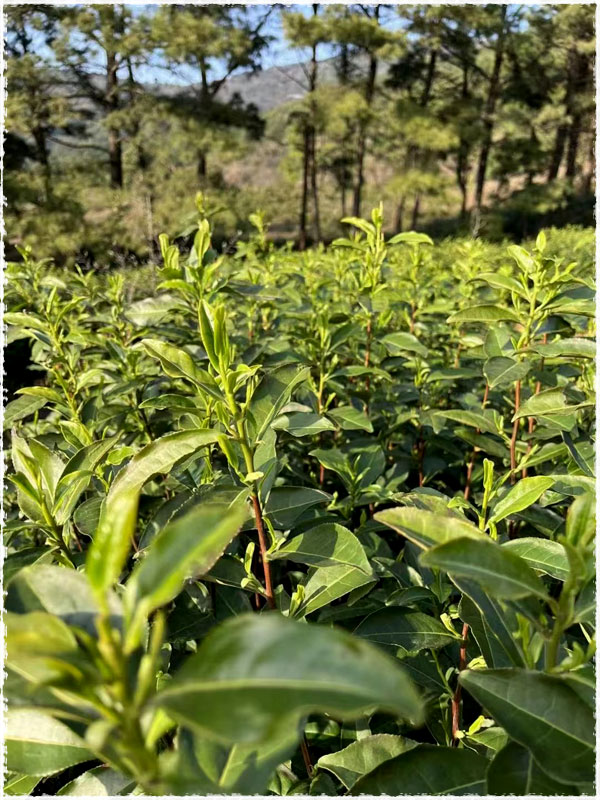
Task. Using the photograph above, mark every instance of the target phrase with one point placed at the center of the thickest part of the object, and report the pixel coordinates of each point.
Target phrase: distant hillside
(266, 89)
(275, 86)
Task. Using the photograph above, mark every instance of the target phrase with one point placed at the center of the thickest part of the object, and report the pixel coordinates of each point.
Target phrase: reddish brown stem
(306, 756)
(77, 542)
(457, 356)
(321, 475)
(462, 664)
(262, 543)
(470, 466)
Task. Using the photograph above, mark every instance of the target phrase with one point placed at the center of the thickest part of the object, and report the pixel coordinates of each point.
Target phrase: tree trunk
(362, 140)
(115, 152)
(314, 187)
(573, 146)
(565, 130)
(589, 176)
(415, 212)
(462, 156)
(115, 158)
(488, 121)
(41, 147)
(424, 101)
(398, 222)
(313, 137)
(201, 167)
(344, 65)
(557, 153)
(304, 199)
(362, 130)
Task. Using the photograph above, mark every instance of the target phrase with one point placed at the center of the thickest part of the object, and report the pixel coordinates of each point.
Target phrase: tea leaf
(541, 712)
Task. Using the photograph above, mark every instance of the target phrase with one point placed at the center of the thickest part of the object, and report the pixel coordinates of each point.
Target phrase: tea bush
(304, 523)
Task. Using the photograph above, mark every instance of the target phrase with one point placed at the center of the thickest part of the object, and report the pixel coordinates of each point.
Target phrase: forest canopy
(462, 119)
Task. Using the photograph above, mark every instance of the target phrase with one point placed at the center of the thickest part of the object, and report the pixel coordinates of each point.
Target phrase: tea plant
(304, 523)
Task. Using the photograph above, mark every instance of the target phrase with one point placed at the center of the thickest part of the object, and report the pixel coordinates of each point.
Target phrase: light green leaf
(566, 348)
(302, 424)
(37, 744)
(333, 459)
(363, 756)
(544, 714)
(503, 371)
(49, 464)
(522, 495)
(410, 237)
(25, 320)
(472, 418)
(21, 408)
(71, 486)
(499, 281)
(259, 674)
(547, 403)
(573, 484)
(400, 342)
(498, 342)
(351, 419)
(522, 257)
(581, 518)
(178, 363)
(63, 592)
(186, 548)
(112, 540)
(151, 310)
(361, 224)
(40, 647)
(328, 545)
(484, 313)
(272, 393)
(428, 528)
(99, 782)
(15, 783)
(326, 584)
(543, 555)
(157, 457)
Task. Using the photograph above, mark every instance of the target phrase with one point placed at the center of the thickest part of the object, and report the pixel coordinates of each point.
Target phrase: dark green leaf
(404, 632)
(257, 675)
(544, 714)
(484, 561)
(514, 771)
(427, 770)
